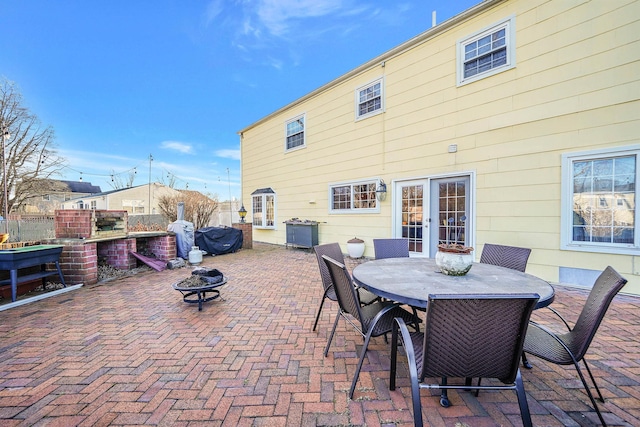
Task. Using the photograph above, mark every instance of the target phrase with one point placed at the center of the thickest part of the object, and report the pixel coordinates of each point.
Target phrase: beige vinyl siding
(575, 87)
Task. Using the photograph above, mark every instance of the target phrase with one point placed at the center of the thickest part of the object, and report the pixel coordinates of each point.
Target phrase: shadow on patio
(131, 352)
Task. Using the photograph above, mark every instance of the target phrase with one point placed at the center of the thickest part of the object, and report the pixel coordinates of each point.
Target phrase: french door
(432, 211)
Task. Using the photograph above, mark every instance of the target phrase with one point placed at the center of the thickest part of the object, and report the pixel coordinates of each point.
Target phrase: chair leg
(595, 384)
(335, 324)
(444, 395)
(319, 311)
(586, 387)
(522, 401)
(357, 373)
(525, 362)
(413, 371)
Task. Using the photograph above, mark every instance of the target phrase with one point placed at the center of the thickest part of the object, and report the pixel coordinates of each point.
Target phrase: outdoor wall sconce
(381, 191)
(242, 212)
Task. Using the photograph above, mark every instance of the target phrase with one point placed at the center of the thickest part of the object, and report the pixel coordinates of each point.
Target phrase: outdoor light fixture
(242, 212)
(381, 191)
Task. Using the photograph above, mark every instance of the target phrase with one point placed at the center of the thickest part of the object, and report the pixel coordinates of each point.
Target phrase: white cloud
(214, 9)
(177, 146)
(276, 15)
(228, 154)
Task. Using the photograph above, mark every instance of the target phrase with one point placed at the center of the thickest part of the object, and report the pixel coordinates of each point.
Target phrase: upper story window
(599, 201)
(263, 208)
(486, 53)
(370, 99)
(353, 197)
(295, 134)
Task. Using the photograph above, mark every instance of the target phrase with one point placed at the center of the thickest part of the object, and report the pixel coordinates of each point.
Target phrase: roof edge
(408, 45)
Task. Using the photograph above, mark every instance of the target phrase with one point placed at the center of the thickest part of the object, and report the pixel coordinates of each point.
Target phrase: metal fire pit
(194, 289)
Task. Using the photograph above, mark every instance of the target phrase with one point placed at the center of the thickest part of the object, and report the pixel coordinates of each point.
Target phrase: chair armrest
(555, 337)
(561, 318)
(399, 324)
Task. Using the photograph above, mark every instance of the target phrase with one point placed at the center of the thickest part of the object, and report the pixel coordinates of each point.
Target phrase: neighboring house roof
(82, 187)
(105, 193)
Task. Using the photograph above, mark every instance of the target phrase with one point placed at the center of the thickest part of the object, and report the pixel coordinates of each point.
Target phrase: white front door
(432, 211)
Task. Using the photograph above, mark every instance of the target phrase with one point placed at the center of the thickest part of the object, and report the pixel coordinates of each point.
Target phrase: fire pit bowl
(208, 275)
(194, 288)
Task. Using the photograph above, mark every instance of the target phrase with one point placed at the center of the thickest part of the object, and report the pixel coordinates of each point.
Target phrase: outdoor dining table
(411, 280)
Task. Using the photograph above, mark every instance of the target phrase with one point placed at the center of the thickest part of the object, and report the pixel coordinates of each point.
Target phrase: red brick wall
(247, 234)
(79, 260)
(79, 263)
(116, 253)
(73, 224)
(163, 247)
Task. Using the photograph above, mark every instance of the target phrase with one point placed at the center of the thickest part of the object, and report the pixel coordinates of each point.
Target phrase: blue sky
(120, 80)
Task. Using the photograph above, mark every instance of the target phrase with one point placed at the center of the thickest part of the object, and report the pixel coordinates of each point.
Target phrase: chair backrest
(347, 294)
(607, 285)
(391, 248)
(472, 336)
(505, 256)
(333, 251)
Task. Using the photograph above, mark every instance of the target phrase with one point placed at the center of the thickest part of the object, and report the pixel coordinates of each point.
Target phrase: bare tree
(30, 152)
(198, 208)
(169, 181)
(118, 182)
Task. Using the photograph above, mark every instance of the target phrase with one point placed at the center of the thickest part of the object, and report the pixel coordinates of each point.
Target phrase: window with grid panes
(599, 199)
(263, 208)
(295, 133)
(355, 197)
(486, 53)
(370, 99)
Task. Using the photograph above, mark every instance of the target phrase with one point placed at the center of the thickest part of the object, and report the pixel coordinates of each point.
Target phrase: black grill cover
(219, 240)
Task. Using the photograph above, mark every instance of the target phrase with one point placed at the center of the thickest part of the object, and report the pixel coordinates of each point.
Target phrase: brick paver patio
(131, 352)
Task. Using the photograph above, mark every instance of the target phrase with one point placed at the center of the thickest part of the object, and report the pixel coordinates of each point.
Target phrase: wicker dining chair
(333, 250)
(505, 256)
(466, 336)
(570, 347)
(370, 320)
(391, 248)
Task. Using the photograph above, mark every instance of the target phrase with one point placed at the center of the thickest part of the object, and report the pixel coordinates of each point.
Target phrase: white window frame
(358, 102)
(302, 117)
(351, 184)
(509, 25)
(566, 235)
(260, 219)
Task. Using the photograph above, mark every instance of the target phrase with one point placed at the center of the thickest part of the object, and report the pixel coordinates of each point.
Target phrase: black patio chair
(391, 248)
(333, 250)
(570, 347)
(511, 257)
(370, 320)
(466, 337)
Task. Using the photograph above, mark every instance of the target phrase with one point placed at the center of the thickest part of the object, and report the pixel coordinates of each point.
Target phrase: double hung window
(295, 133)
(370, 99)
(487, 52)
(599, 201)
